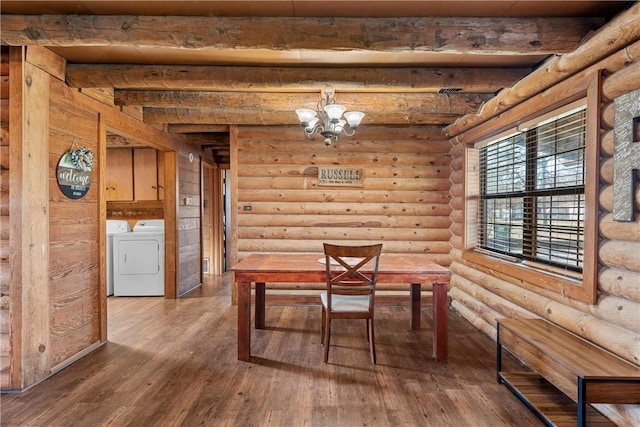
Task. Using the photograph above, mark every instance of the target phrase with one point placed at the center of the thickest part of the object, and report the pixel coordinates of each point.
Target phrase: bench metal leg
(582, 403)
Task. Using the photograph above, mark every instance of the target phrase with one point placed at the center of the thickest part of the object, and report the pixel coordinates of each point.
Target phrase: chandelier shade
(354, 118)
(305, 116)
(334, 111)
(329, 120)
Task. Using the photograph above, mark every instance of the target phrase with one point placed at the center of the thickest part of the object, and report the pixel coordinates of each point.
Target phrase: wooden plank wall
(55, 286)
(74, 232)
(189, 234)
(29, 320)
(5, 301)
(613, 322)
(403, 203)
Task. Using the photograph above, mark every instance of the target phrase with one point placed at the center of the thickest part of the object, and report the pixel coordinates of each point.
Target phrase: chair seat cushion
(346, 302)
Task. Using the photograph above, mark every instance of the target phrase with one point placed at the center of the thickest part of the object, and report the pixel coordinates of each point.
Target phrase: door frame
(215, 214)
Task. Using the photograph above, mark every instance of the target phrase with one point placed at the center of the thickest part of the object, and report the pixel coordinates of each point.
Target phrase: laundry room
(135, 219)
(144, 244)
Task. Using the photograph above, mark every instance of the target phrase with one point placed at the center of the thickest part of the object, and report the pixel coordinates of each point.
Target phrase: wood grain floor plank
(174, 363)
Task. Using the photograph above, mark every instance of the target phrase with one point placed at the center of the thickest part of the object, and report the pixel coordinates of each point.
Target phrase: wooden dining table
(412, 269)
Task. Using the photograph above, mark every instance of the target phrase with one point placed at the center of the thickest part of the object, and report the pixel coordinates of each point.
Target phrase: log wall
(402, 203)
(481, 295)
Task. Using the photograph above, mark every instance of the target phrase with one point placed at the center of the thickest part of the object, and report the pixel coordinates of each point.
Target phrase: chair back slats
(352, 270)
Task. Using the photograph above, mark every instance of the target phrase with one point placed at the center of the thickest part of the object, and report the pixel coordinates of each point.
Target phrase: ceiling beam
(294, 79)
(217, 140)
(447, 103)
(226, 108)
(187, 128)
(425, 133)
(462, 35)
(272, 118)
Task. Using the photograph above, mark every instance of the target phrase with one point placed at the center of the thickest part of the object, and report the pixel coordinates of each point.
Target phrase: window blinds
(532, 202)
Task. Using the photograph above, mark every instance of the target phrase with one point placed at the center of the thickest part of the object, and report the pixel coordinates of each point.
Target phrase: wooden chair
(352, 273)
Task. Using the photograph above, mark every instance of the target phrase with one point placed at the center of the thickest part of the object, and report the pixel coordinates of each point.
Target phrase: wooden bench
(567, 373)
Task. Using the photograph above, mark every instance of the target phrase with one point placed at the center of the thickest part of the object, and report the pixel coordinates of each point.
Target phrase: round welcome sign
(74, 172)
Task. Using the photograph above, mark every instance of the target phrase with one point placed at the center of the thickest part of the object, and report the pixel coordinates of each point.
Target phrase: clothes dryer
(139, 260)
(114, 226)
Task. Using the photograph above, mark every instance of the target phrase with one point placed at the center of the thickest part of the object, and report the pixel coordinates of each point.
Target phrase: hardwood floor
(173, 363)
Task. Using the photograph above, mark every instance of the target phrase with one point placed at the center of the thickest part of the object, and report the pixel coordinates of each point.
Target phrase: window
(532, 193)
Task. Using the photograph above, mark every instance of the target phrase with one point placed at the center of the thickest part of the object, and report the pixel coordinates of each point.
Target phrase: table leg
(244, 320)
(260, 303)
(440, 317)
(416, 289)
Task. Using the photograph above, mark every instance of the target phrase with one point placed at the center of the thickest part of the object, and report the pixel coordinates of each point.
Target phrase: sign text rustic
(338, 176)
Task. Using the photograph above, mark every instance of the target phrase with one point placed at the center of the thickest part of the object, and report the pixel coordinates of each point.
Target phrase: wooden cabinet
(145, 174)
(134, 174)
(119, 174)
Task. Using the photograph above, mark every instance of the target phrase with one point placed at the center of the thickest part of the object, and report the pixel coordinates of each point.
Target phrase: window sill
(568, 287)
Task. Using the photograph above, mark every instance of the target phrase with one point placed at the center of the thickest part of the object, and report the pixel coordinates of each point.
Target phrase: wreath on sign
(73, 172)
(82, 158)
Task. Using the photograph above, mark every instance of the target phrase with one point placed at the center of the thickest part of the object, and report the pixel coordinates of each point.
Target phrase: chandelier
(328, 120)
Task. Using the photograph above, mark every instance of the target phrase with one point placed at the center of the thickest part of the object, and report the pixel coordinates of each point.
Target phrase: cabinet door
(145, 174)
(119, 174)
(160, 175)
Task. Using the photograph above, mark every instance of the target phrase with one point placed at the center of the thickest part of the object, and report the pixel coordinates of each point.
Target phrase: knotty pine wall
(403, 203)
(614, 322)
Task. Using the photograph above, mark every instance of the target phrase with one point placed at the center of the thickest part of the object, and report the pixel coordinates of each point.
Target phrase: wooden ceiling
(197, 67)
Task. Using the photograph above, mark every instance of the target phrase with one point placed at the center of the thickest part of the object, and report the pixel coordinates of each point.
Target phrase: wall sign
(74, 172)
(336, 176)
(626, 157)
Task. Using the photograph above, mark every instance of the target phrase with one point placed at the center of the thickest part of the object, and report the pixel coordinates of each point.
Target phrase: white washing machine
(114, 226)
(139, 260)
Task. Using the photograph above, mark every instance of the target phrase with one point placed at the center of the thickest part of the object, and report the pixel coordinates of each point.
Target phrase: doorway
(213, 219)
(134, 190)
